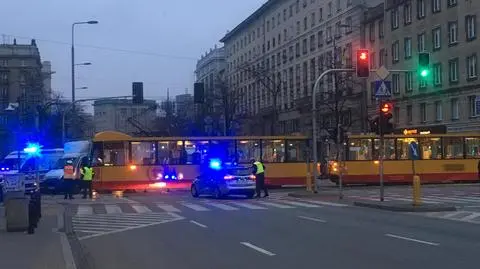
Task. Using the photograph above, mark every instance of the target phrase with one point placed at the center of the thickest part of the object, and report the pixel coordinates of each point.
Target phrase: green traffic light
(424, 73)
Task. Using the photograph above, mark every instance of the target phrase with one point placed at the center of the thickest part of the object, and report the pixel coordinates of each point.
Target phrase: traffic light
(363, 63)
(386, 117)
(424, 64)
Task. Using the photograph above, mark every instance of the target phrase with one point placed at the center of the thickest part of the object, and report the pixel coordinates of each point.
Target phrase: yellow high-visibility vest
(87, 173)
(259, 166)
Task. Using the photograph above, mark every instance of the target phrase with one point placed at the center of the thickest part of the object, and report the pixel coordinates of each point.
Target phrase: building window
(423, 112)
(305, 24)
(438, 111)
(339, 7)
(381, 32)
(330, 9)
(338, 34)
(313, 46)
(437, 38)
(472, 66)
(472, 103)
(396, 83)
(407, 13)
(395, 51)
(329, 34)
(422, 83)
(421, 42)
(451, 3)
(372, 60)
(408, 81)
(437, 74)
(407, 47)
(349, 3)
(454, 108)
(304, 46)
(409, 114)
(452, 32)
(453, 70)
(297, 50)
(394, 18)
(320, 15)
(298, 27)
(396, 115)
(436, 6)
(348, 25)
(470, 26)
(371, 32)
(383, 58)
(421, 9)
(320, 39)
(313, 19)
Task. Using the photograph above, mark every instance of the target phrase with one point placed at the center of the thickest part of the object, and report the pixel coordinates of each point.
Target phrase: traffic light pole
(380, 155)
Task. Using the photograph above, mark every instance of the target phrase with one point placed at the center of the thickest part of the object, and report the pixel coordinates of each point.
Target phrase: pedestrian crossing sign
(383, 88)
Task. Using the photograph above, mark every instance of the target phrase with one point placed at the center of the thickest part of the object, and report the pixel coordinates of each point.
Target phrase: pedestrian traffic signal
(363, 63)
(386, 117)
(424, 64)
(386, 108)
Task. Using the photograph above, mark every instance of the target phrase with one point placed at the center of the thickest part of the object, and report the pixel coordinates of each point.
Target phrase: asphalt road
(295, 237)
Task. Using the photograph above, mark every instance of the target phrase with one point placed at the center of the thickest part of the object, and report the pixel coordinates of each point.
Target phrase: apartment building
(447, 100)
(275, 55)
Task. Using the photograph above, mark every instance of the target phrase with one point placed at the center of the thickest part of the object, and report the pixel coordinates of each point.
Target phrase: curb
(406, 207)
(316, 195)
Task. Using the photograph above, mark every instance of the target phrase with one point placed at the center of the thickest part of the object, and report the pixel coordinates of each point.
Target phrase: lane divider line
(412, 240)
(259, 249)
(313, 219)
(198, 224)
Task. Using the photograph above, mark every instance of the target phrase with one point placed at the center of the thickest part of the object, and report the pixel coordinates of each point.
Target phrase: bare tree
(272, 82)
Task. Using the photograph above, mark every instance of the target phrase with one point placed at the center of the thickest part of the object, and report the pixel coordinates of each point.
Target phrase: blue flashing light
(32, 149)
(215, 164)
(167, 177)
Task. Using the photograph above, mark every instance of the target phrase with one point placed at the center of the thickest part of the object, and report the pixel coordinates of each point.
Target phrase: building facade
(125, 116)
(184, 105)
(275, 56)
(446, 101)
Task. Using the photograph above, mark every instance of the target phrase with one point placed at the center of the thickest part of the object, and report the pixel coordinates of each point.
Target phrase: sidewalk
(41, 250)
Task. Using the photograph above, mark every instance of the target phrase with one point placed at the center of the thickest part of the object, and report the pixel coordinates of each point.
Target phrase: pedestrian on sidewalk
(87, 174)
(259, 172)
(69, 179)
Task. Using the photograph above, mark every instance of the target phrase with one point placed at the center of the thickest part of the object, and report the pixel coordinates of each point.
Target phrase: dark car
(236, 180)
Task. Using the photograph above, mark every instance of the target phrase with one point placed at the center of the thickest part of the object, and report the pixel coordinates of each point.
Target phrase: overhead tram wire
(138, 52)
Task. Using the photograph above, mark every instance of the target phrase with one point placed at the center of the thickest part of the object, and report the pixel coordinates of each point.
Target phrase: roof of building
(255, 15)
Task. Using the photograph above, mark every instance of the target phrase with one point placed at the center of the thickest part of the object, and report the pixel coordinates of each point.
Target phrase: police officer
(259, 172)
(87, 176)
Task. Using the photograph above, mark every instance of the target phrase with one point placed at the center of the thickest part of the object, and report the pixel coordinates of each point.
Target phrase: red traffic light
(386, 108)
(363, 63)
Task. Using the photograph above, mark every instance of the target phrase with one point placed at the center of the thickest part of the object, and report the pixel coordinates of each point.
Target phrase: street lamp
(87, 63)
(73, 54)
(81, 88)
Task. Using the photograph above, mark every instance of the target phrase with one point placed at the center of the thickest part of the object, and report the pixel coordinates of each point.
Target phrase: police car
(223, 180)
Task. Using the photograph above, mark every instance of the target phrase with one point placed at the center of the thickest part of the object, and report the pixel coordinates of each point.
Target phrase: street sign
(383, 88)
(382, 72)
(413, 148)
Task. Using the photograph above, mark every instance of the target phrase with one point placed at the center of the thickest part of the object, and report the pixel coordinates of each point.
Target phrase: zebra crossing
(195, 206)
(460, 215)
(460, 200)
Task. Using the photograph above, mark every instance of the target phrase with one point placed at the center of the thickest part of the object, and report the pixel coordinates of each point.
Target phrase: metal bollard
(417, 199)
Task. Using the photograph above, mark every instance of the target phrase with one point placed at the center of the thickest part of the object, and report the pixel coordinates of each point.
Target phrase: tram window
(273, 151)
(296, 150)
(247, 150)
(143, 153)
(115, 153)
(389, 148)
(170, 152)
(196, 151)
(453, 147)
(430, 148)
(98, 156)
(473, 147)
(225, 149)
(403, 147)
(360, 149)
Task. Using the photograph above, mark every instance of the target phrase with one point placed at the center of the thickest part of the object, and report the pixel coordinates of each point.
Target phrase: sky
(154, 41)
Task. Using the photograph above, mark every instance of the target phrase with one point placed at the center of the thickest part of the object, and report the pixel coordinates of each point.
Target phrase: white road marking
(249, 206)
(84, 210)
(471, 217)
(113, 209)
(300, 204)
(196, 207)
(412, 239)
(198, 224)
(141, 209)
(275, 205)
(168, 208)
(67, 252)
(259, 249)
(222, 206)
(313, 219)
(325, 203)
